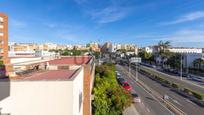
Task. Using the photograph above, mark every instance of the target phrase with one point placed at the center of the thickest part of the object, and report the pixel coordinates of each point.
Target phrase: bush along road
(194, 96)
(109, 97)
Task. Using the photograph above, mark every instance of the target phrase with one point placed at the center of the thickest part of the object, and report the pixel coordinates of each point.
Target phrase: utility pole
(136, 72)
(129, 68)
(181, 68)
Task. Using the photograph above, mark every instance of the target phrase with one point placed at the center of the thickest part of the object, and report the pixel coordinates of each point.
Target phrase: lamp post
(135, 60)
(181, 68)
(136, 73)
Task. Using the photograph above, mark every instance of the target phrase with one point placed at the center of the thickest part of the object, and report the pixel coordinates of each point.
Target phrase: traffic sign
(135, 60)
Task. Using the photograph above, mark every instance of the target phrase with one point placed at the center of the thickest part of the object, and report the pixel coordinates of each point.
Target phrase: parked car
(136, 98)
(117, 74)
(126, 86)
(183, 74)
(121, 80)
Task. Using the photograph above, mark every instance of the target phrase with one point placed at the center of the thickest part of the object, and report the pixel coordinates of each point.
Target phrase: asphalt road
(184, 82)
(182, 103)
(149, 105)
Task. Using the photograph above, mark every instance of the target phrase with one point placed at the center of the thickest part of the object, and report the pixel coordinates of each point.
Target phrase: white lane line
(175, 101)
(190, 101)
(151, 95)
(156, 99)
(142, 104)
(148, 110)
(174, 77)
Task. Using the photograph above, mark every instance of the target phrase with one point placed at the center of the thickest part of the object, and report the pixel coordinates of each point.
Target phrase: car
(154, 66)
(183, 74)
(126, 86)
(136, 98)
(121, 80)
(118, 74)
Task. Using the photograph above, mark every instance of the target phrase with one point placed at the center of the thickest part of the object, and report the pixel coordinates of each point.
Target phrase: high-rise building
(4, 44)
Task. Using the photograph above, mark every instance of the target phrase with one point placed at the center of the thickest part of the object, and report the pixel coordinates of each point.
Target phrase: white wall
(44, 97)
(20, 60)
(186, 50)
(189, 59)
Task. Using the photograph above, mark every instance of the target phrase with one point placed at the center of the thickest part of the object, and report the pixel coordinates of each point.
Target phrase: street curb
(130, 111)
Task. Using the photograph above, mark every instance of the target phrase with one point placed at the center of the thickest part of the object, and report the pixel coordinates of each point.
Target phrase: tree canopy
(109, 97)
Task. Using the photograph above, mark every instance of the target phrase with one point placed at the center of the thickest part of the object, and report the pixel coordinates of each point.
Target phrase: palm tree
(163, 51)
(163, 46)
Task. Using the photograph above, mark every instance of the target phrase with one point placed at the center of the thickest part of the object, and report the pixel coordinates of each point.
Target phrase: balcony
(1, 26)
(1, 34)
(1, 20)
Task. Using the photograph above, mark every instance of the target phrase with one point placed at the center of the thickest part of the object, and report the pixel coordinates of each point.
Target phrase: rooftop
(76, 60)
(52, 75)
(70, 60)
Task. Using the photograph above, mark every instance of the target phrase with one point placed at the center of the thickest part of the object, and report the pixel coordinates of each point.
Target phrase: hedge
(174, 85)
(157, 76)
(198, 95)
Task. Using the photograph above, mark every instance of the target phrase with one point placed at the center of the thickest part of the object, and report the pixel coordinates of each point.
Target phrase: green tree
(198, 63)
(174, 60)
(145, 56)
(109, 97)
(163, 51)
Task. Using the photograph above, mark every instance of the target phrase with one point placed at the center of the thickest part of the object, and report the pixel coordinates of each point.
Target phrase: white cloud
(181, 36)
(110, 11)
(109, 14)
(186, 18)
(187, 36)
(17, 23)
(51, 25)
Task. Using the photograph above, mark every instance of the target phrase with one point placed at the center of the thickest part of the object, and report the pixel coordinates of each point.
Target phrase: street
(182, 103)
(186, 83)
(149, 105)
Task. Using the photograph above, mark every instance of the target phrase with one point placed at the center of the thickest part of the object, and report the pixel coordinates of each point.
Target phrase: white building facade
(186, 50)
(43, 97)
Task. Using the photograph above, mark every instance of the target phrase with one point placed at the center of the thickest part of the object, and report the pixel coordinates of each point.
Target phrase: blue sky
(143, 22)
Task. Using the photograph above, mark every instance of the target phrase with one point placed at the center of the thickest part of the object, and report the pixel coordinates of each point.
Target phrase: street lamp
(181, 68)
(135, 60)
(136, 73)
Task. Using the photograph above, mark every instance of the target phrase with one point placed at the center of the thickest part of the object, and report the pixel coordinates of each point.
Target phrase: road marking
(142, 104)
(190, 101)
(175, 101)
(124, 70)
(174, 77)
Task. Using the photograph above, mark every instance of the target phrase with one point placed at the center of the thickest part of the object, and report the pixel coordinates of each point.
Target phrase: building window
(1, 20)
(80, 100)
(1, 42)
(1, 26)
(1, 33)
(1, 50)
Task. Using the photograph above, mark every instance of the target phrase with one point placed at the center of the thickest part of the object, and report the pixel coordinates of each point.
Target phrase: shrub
(167, 82)
(174, 85)
(186, 90)
(198, 95)
(109, 97)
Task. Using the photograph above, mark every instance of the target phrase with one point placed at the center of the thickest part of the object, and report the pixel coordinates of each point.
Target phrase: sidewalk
(130, 111)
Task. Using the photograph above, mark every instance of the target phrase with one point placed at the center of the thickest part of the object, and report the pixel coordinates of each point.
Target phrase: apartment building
(94, 46)
(189, 58)
(54, 87)
(148, 49)
(4, 45)
(185, 50)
